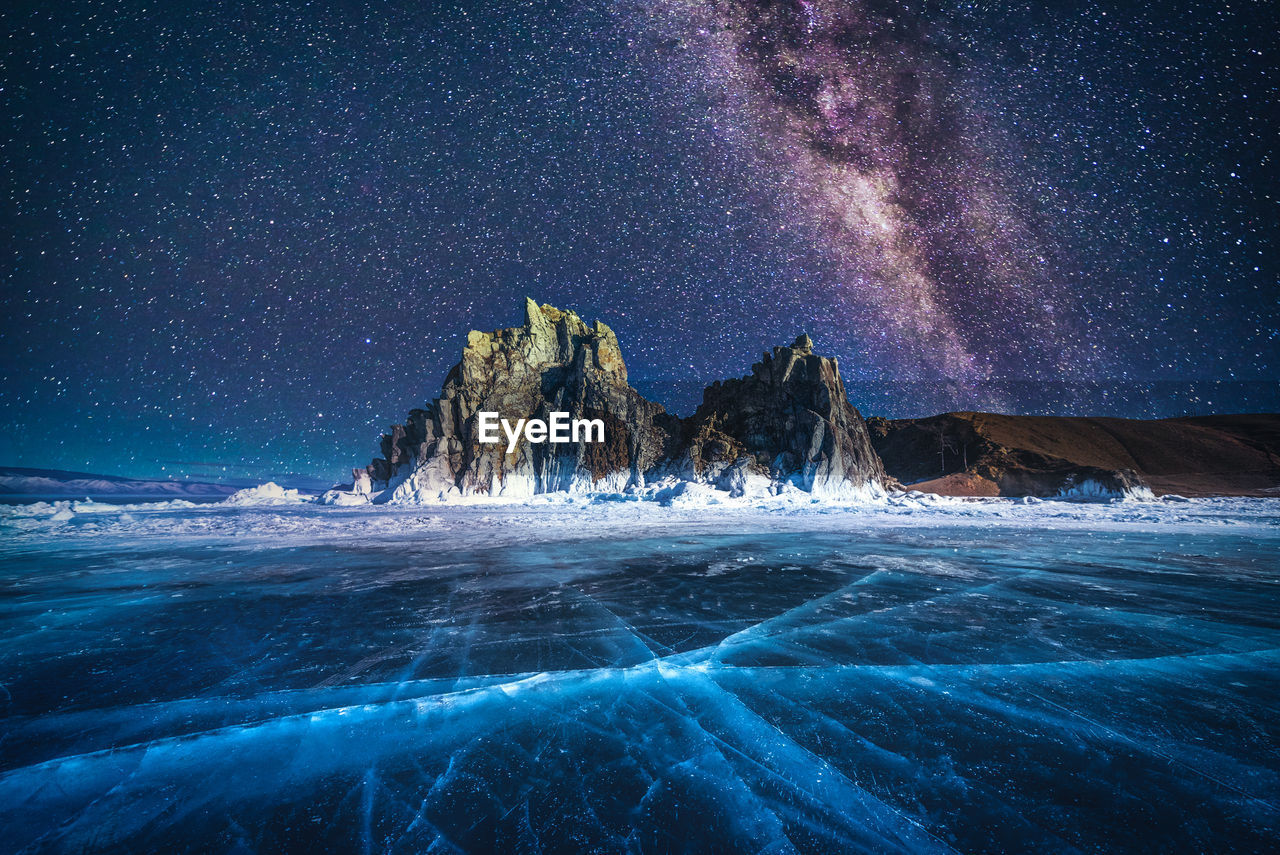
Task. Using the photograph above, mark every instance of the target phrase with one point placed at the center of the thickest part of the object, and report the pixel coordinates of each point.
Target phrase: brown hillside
(1204, 455)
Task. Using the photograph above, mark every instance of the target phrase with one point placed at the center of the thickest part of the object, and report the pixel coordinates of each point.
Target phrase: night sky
(241, 239)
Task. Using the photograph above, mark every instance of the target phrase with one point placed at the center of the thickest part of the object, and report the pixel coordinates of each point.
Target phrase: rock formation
(789, 419)
(787, 425)
(555, 362)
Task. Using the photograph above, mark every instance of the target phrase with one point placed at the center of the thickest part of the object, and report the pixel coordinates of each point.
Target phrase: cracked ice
(490, 679)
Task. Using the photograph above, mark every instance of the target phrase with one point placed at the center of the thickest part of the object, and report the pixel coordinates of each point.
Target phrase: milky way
(881, 144)
(242, 238)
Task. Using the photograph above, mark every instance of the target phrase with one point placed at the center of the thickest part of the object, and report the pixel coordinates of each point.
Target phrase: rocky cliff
(555, 362)
(790, 419)
(788, 425)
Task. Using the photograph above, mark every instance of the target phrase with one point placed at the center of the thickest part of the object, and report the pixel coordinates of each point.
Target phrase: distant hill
(991, 454)
(21, 481)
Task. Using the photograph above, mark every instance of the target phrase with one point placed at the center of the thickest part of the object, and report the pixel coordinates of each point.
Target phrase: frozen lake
(618, 677)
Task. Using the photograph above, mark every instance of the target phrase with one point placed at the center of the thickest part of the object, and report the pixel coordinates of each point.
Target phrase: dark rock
(792, 419)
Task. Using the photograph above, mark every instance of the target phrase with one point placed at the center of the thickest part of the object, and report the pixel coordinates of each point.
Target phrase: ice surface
(911, 675)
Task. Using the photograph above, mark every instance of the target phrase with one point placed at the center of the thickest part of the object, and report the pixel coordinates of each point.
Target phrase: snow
(269, 493)
(630, 673)
(271, 511)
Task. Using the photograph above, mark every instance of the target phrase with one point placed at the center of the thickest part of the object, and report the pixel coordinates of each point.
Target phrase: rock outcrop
(790, 419)
(788, 425)
(555, 362)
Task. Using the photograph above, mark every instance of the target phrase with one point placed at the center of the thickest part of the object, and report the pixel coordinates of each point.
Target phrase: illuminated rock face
(554, 363)
(788, 423)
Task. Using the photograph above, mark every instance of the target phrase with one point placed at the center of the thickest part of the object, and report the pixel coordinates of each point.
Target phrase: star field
(240, 239)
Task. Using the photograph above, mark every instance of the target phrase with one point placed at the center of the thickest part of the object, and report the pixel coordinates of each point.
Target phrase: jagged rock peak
(550, 336)
(792, 414)
(555, 362)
